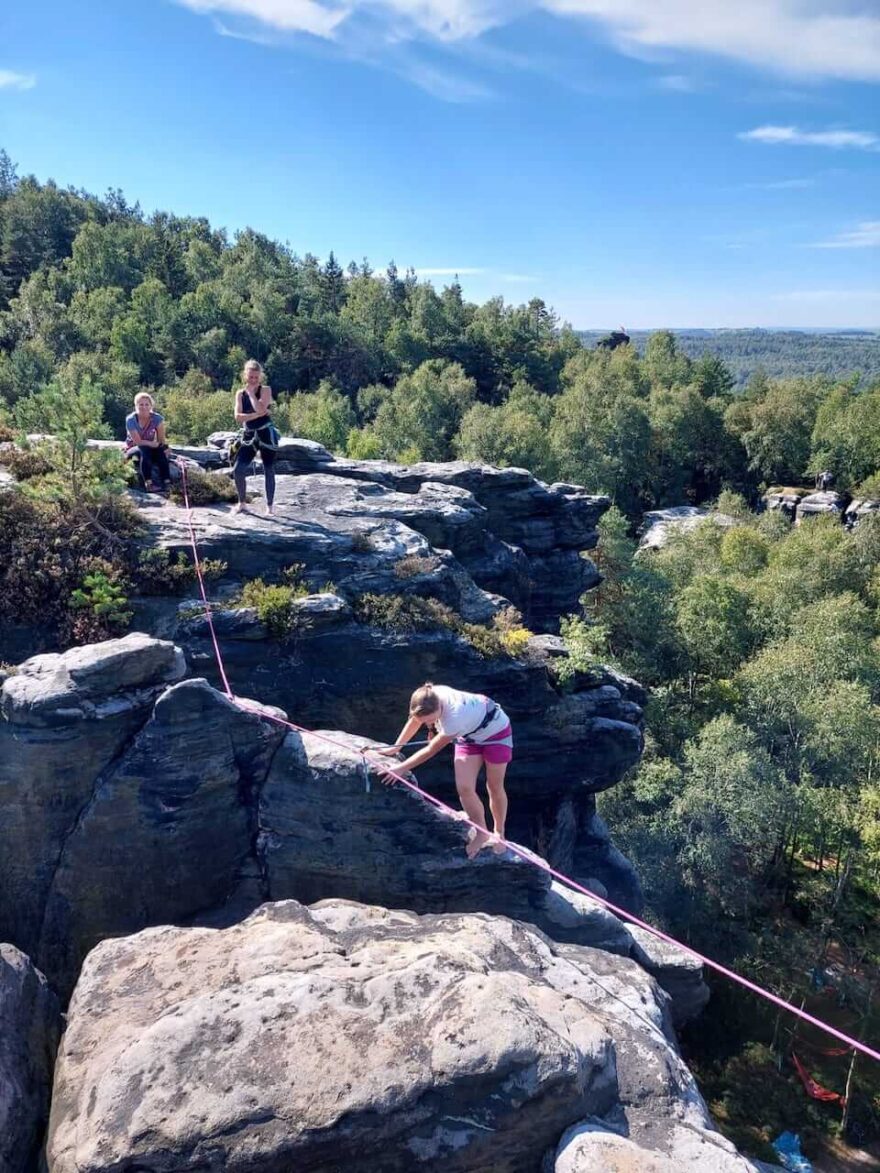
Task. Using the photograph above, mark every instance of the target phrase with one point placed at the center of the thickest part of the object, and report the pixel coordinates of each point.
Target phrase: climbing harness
(491, 714)
(522, 852)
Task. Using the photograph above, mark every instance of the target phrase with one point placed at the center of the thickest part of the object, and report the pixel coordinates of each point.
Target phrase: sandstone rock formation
(30, 1024)
(179, 805)
(348, 1036)
(658, 524)
(818, 503)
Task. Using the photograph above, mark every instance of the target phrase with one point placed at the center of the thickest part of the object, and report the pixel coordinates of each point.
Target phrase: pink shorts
(497, 750)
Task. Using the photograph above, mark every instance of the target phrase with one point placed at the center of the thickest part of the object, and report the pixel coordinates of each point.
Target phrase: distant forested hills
(779, 353)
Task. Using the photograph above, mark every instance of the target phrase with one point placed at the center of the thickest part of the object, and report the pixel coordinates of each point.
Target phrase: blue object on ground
(788, 1149)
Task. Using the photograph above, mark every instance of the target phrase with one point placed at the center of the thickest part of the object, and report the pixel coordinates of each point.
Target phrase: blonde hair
(251, 365)
(424, 701)
(144, 395)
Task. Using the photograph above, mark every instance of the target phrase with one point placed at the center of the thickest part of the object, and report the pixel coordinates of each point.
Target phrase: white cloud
(793, 136)
(289, 16)
(864, 235)
(805, 38)
(819, 38)
(10, 80)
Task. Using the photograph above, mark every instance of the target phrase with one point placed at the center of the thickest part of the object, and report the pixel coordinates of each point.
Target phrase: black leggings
(246, 455)
(154, 458)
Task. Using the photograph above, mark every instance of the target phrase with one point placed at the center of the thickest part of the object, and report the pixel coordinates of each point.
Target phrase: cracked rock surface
(349, 1036)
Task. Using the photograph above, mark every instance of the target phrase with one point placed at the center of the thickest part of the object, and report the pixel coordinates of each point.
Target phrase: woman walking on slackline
(253, 402)
(482, 735)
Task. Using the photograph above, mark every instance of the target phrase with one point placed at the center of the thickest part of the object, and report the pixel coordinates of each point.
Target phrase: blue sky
(635, 162)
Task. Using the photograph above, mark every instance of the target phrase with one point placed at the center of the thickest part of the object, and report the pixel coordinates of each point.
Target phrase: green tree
(324, 415)
(423, 412)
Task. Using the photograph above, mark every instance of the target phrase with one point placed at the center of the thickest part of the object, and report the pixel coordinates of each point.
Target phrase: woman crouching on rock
(482, 735)
(253, 402)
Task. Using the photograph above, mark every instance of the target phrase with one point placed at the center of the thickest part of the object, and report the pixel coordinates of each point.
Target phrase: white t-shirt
(462, 712)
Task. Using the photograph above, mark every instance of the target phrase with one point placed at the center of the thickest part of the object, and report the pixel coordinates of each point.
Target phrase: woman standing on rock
(482, 735)
(253, 402)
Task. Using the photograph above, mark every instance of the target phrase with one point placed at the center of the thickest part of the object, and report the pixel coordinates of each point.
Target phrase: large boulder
(66, 719)
(30, 1025)
(817, 504)
(859, 508)
(785, 500)
(168, 830)
(346, 1036)
(327, 528)
(659, 524)
(679, 1148)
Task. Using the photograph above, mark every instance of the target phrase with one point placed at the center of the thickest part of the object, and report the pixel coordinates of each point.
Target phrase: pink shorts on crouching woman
(495, 750)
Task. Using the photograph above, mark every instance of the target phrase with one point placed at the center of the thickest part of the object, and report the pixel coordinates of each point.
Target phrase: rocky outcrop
(189, 806)
(856, 510)
(785, 500)
(348, 1036)
(514, 535)
(30, 1025)
(66, 719)
(815, 504)
(659, 524)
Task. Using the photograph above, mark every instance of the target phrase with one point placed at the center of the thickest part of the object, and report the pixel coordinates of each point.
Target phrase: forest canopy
(97, 298)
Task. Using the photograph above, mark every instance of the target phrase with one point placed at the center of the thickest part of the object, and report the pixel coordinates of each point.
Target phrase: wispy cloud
(812, 296)
(781, 185)
(449, 271)
(445, 84)
(793, 136)
(474, 271)
(678, 83)
(864, 235)
(799, 38)
(10, 80)
(813, 38)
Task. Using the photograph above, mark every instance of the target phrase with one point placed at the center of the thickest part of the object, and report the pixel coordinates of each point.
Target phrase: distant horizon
(732, 329)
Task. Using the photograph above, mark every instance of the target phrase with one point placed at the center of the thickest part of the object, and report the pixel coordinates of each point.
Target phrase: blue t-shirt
(147, 431)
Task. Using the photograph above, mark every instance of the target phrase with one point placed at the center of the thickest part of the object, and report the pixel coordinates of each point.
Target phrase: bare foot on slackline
(477, 840)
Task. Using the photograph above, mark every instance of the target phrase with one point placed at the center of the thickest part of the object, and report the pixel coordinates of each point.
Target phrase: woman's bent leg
(160, 458)
(467, 770)
(497, 798)
(146, 463)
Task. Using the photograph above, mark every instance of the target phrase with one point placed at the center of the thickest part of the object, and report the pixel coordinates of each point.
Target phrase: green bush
(190, 418)
(414, 565)
(99, 605)
(156, 572)
(586, 644)
(25, 464)
(409, 613)
(204, 489)
(47, 548)
(273, 604)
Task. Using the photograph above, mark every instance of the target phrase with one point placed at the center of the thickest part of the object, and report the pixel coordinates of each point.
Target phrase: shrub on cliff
(409, 613)
(47, 548)
(204, 489)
